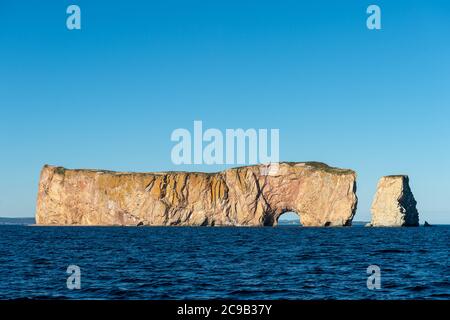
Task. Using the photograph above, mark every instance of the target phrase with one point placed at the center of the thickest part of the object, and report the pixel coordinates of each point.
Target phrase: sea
(284, 262)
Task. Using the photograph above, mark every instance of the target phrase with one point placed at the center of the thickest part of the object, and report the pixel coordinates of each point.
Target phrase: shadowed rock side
(245, 196)
(394, 204)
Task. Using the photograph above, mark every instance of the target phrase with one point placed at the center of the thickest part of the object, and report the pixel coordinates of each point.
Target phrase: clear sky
(109, 95)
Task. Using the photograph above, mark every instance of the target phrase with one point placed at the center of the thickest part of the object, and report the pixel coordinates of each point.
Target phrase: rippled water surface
(232, 263)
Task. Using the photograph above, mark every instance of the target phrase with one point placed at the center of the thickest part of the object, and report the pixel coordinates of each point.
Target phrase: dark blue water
(232, 263)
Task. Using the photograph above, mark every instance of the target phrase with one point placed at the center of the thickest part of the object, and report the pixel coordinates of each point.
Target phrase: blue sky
(109, 95)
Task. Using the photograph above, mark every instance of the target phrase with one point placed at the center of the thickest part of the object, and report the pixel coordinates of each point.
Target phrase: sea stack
(247, 196)
(394, 204)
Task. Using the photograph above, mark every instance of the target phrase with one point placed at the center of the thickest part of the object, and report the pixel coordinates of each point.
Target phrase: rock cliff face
(245, 196)
(394, 204)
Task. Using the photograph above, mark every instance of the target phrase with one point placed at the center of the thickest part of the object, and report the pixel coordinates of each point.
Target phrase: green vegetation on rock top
(313, 164)
(324, 167)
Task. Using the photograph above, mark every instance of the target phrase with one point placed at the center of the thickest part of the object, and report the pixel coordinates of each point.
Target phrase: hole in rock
(289, 219)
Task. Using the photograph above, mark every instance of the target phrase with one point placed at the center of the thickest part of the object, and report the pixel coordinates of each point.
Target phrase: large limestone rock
(245, 196)
(394, 204)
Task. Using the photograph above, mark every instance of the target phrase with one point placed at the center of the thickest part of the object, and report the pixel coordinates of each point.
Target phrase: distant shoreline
(17, 221)
(32, 222)
(29, 221)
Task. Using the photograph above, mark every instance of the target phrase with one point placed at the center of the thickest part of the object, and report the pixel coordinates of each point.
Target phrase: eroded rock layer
(246, 196)
(394, 204)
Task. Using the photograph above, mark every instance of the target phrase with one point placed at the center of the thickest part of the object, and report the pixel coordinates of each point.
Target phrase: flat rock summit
(246, 196)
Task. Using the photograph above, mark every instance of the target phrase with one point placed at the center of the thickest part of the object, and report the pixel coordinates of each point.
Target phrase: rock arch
(245, 196)
(272, 219)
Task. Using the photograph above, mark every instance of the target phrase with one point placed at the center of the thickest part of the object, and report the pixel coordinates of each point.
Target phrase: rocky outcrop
(394, 204)
(246, 196)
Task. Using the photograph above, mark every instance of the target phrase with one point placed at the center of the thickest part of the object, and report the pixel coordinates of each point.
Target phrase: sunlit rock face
(246, 196)
(394, 204)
